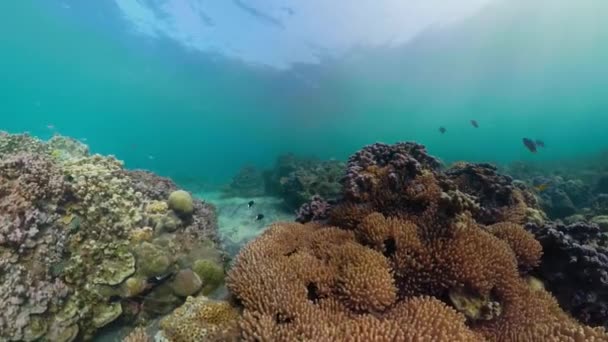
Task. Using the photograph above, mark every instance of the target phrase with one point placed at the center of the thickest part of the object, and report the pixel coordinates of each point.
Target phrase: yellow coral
(201, 319)
(157, 207)
(141, 234)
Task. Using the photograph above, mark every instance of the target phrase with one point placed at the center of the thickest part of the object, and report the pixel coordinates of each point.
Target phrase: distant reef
(293, 178)
(85, 243)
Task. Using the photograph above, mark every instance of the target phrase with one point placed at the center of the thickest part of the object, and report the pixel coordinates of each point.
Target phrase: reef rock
(601, 221)
(575, 268)
(72, 227)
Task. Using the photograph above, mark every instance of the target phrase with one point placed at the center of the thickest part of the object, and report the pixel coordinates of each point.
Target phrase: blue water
(521, 69)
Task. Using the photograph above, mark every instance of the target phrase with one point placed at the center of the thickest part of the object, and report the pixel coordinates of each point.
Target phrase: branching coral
(408, 262)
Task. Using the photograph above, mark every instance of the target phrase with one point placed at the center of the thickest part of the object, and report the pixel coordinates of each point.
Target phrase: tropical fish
(474, 123)
(540, 143)
(530, 145)
(259, 217)
(250, 204)
(50, 126)
(442, 130)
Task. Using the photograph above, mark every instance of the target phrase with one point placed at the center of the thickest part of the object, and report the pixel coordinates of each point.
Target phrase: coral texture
(575, 268)
(84, 242)
(201, 319)
(409, 258)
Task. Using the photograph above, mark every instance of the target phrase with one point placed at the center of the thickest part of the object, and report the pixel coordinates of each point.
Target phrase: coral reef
(249, 182)
(409, 257)
(201, 319)
(297, 180)
(575, 268)
(316, 210)
(567, 187)
(84, 242)
(137, 335)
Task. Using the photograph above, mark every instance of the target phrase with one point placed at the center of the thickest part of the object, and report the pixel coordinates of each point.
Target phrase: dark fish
(250, 204)
(540, 143)
(530, 145)
(474, 123)
(442, 130)
(159, 279)
(259, 217)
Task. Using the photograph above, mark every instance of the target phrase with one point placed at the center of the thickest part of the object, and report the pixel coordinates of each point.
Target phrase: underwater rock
(570, 219)
(559, 205)
(601, 221)
(574, 267)
(601, 186)
(186, 283)
(249, 182)
(181, 202)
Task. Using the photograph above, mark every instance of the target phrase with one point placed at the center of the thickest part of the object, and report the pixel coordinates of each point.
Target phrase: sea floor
(237, 222)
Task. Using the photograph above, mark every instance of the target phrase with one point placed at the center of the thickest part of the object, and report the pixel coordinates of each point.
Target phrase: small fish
(259, 217)
(250, 204)
(83, 139)
(530, 145)
(50, 126)
(474, 123)
(540, 143)
(442, 130)
(542, 187)
(151, 157)
(159, 279)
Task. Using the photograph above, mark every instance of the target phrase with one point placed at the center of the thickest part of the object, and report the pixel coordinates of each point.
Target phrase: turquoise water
(521, 70)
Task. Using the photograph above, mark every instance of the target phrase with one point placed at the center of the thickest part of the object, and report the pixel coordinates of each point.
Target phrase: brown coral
(201, 319)
(421, 265)
(527, 250)
(318, 283)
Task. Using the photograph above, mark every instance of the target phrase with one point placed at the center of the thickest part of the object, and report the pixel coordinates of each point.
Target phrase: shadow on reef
(408, 252)
(84, 242)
